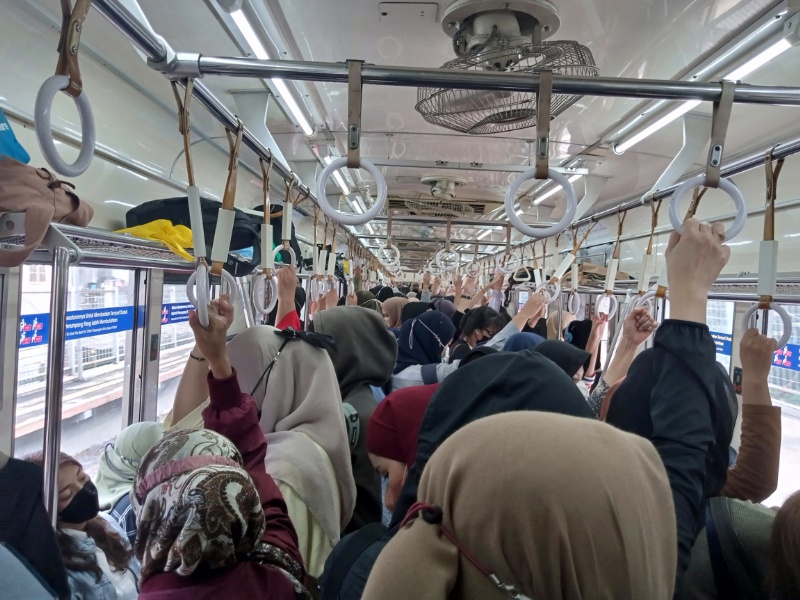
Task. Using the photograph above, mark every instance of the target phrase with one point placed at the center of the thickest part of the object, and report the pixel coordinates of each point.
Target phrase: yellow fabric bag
(177, 237)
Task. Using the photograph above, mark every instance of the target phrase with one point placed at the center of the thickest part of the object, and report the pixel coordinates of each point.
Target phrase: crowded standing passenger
(366, 352)
(294, 384)
(210, 518)
(573, 523)
(117, 470)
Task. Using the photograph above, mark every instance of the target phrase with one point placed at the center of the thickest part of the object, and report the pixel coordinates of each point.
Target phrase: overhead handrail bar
(768, 259)
(542, 169)
(67, 79)
(618, 87)
(353, 159)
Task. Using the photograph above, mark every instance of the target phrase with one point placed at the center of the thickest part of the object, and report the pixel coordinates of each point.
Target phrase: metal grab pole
(55, 379)
(489, 80)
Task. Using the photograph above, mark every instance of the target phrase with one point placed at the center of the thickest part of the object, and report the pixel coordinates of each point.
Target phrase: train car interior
(197, 148)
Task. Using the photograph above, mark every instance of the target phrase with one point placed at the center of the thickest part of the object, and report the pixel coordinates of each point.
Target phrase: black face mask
(83, 507)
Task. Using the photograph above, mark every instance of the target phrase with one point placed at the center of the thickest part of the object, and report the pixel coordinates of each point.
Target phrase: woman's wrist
(221, 368)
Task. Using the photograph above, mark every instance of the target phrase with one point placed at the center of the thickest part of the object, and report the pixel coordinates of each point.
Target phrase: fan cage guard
(487, 112)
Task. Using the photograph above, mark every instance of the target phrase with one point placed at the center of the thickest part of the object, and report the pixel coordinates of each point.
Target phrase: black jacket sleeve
(681, 410)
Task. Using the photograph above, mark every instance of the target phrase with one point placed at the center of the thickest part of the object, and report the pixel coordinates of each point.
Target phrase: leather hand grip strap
(69, 44)
(544, 99)
(354, 97)
(719, 128)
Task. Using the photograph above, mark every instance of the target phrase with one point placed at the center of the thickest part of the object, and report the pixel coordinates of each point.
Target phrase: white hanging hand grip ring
(395, 262)
(613, 304)
(271, 288)
(290, 250)
(347, 218)
(543, 232)
(574, 302)
(785, 317)
(647, 299)
(511, 265)
(443, 263)
(549, 291)
(473, 269)
(42, 116)
(726, 186)
(200, 301)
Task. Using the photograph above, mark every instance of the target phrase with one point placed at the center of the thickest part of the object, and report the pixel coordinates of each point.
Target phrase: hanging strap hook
(719, 128)
(354, 102)
(544, 99)
(69, 44)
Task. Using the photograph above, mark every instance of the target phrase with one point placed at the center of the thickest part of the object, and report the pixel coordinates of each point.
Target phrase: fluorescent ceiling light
(737, 74)
(484, 234)
(555, 190)
(338, 177)
(759, 61)
(120, 203)
(261, 53)
(370, 228)
(661, 123)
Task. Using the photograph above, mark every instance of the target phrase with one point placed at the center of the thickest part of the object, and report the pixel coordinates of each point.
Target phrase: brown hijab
(392, 308)
(589, 517)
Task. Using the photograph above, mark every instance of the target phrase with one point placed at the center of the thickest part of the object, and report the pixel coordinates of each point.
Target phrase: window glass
(99, 327)
(176, 343)
(720, 317)
(784, 384)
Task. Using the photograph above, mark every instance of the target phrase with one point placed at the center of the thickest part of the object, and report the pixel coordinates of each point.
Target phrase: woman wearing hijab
(301, 415)
(422, 342)
(210, 517)
(392, 311)
(553, 332)
(493, 384)
(571, 360)
(540, 538)
(392, 436)
(118, 465)
(366, 299)
(522, 341)
(365, 355)
(412, 310)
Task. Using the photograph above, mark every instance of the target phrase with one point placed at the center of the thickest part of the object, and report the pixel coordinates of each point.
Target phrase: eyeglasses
(131, 463)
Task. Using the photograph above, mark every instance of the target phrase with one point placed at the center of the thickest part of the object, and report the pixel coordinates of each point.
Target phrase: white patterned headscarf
(194, 503)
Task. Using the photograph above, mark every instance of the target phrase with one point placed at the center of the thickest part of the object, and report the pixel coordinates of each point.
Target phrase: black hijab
(629, 410)
(497, 383)
(565, 355)
(412, 310)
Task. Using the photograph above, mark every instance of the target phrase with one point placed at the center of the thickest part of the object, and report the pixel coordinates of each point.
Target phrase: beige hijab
(552, 324)
(561, 508)
(393, 308)
(300, 403)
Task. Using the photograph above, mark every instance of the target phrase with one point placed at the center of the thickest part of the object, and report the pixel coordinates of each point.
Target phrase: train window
(720, 319)
(177, 341)
(99, 328)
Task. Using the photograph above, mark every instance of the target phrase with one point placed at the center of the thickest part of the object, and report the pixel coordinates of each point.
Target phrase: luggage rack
(92, 247)
(736, 289)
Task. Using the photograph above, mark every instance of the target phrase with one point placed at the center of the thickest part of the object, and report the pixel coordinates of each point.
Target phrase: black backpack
(245, 235)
